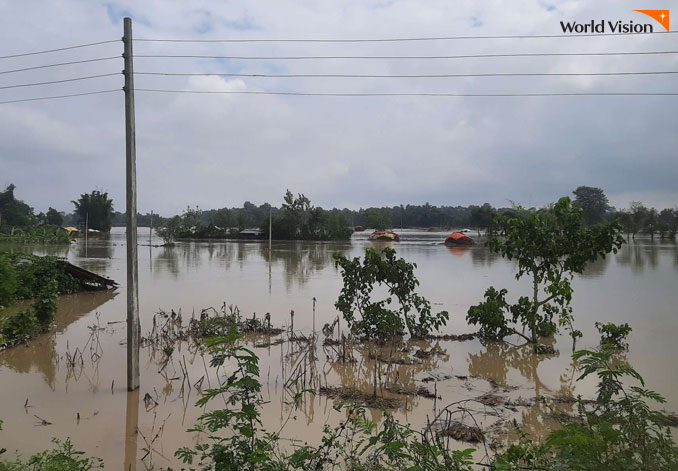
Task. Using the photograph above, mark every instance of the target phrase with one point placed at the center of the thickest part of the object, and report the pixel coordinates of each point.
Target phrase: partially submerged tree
(378, 219)
(96, 209)
(169, 230)
(593, 202)
(14, 212)
(483, 217)
(402, 308)
(550, 246)
(54, 217)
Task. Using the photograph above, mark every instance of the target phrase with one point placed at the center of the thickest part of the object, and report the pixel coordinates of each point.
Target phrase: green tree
(14, 212)
(54, 217)
(483, 217)
(95, 208)
(638, 213)
(378, 219)
(294, 217)
(549, 246)
(668, 223)
(593, 202)
(651, 222)
(169, 230)
(336, 226)
(383, 319)
(8, 281)
(223, 219)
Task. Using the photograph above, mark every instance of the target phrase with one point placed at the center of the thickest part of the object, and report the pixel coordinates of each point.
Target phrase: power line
(75, 79)
(59, 64)
(59, 96)
(408, 94)
(59, 49)
(377, 40)
(468, 56)
(508, 74)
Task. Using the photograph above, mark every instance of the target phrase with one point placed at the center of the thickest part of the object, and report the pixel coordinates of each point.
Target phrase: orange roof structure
(457, 238)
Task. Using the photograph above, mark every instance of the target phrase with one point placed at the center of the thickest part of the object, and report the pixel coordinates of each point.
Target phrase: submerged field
(74, 377)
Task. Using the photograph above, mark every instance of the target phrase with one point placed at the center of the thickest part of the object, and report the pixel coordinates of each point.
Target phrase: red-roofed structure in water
(457, 238)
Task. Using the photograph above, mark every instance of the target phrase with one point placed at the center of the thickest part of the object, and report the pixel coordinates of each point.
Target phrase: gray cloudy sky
(220, 150)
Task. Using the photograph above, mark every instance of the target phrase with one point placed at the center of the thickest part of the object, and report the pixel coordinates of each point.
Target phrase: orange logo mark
(660, 15)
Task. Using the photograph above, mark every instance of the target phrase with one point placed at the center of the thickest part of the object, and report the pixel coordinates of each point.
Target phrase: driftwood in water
(89, 280)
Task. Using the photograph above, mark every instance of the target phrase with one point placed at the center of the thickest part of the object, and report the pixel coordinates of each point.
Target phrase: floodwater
(88, 401)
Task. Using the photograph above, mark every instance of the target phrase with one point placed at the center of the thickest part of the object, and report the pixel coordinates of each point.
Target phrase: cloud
(220, 150)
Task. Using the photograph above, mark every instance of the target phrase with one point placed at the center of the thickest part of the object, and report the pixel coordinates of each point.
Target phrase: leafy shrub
(8, 281)
(377, 318)
(550, 246)
(620, 431)
(23, 276)
(613, 335)
(63, 457)
(18, 326)
(237, 440)
(45, 305)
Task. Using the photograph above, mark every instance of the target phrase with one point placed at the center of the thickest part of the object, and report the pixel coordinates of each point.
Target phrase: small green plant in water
(550, 246)
(620, 431)
(402, 308)
(45, 305)
(613, 335)
(63, 457)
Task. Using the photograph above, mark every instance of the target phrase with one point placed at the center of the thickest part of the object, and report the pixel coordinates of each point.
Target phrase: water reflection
(499, 358)
(480, 256)
(131, 427)
(597, 268)
(36, 249)
(95, 253)
(41, 354)
(300, 261)
(639, 256)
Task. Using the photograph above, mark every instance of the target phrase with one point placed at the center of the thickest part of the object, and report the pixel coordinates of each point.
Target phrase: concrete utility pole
(133, 327)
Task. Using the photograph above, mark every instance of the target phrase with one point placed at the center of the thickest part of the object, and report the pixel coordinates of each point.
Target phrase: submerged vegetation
(25, 276)
(297, 219)
(618, 430)
(402, 308)
(550, 246)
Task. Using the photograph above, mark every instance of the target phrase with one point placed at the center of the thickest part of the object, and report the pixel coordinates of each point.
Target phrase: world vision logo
(618, 27)
(660, 15)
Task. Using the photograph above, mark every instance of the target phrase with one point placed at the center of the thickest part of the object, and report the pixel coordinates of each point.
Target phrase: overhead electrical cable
(464, 56)
(67, 48)
(53, 97)
(378, 40)
(59, 64)
(507, 74)
(75, 79)
(406, 94)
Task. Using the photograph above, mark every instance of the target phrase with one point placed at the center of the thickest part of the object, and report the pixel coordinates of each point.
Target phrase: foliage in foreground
(550, 246)
(28, 276)
(63, 457)
(618, 431)
(23, 276)
(237, 440)
(44, 234)
(402, 308)
(22, 325)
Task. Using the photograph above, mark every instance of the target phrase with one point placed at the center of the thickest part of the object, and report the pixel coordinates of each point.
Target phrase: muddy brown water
(90, 404)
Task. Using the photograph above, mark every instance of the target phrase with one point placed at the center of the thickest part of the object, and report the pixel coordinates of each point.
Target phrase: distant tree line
(94, 209)
(297, 218)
